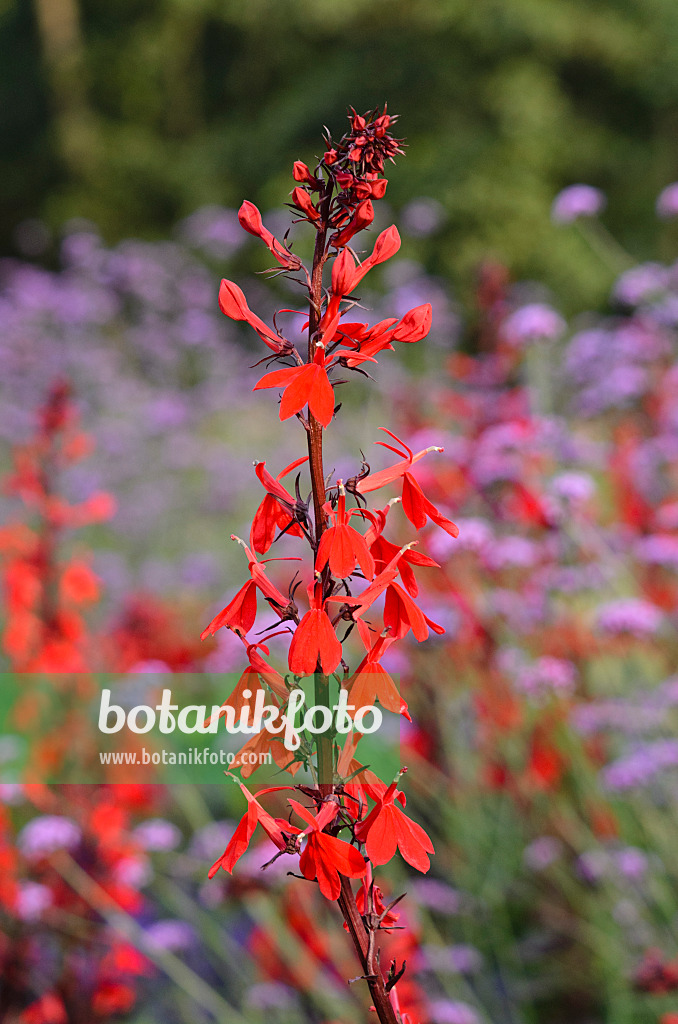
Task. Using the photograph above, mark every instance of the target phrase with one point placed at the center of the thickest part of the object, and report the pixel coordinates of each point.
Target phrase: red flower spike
(250, 219)
(325, 857)
(314, 642)
(343, 547)
(239, 615)
(233, 304)
(418, 508)
(387, 828)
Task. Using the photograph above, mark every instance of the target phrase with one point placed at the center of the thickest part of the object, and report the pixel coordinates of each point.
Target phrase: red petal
(381, 839)
(413, 505)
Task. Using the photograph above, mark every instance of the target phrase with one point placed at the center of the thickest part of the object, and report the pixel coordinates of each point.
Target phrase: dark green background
(137, 112)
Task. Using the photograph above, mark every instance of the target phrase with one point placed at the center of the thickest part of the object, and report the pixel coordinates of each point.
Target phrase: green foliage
(503, 102)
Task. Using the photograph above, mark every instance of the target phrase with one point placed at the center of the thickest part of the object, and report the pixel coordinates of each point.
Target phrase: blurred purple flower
(421, 217)
(44, 835)
(536, 322)
(577, 201)
(171, 934)
(458, 959)
(32, 901)
(629, 615)
(271, 995)
(547, 675)
(156, 834)
(451, 1011)
(631, 862)
(574, 487)
(436, 895)
(642, 765)
(542, 852)
(510, 552)
(641, 283)
(667, 202)
(658, 549)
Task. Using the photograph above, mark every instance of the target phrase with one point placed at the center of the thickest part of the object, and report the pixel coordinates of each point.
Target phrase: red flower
(272, 514)
(386, 476)
(232, 303)
(401, 614)
(371, 681)
(303, 385)
(314, 642)
(302, 200)
(239, 615)
(342, 546)
(254, 815)
(49, 1009)
(250, 220)
(387, 828)
(384, 550)
(362, 218)
(325, 857)
(417, 507)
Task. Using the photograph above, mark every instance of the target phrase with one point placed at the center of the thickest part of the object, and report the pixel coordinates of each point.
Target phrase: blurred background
(537, 205)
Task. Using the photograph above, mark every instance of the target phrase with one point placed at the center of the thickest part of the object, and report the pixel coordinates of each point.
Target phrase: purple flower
(547, 675)
(667, 202)
(542, 852)
(48, 833)
(658, 549)
(158, 835)
(451, 1011)
(32, 901)
(536, 322)
(593, 865)
(641, 283)
(436, 895)
(422, 216)
(271, 995)
(458, 959)
(575, 487)
(510, 552)
(577, 201)
(631, 862)
(640, 767)
(171, 934)
(630, 615)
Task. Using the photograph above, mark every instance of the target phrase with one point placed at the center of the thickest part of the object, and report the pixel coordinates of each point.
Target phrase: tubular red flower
(314, 642)
(401, 614)
(418, 508)
(240, 840)
(302, 385)
(326, 857)
(387, 828)
(343, 547)
(250, 219)
(233, 304)
(239, 615)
